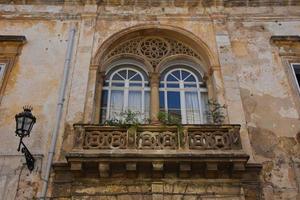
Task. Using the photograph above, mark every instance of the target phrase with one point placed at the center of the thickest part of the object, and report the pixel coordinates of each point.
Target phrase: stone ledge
(155, 154)
(277, 40)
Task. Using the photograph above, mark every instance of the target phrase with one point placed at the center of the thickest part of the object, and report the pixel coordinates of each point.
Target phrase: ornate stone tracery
(153, 49)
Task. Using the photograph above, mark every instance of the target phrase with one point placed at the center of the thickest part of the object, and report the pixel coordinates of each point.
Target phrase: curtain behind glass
(135, 101)
(147, 105)
(116, 103)
(192, 108)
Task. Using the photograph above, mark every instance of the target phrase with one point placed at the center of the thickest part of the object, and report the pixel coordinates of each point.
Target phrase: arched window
(184, 94)
(125, 89)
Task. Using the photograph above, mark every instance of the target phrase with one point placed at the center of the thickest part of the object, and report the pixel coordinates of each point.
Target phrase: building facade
(150, 99)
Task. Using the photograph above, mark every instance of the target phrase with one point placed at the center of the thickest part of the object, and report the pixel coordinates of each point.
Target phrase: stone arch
(180, 43)
(127, 59)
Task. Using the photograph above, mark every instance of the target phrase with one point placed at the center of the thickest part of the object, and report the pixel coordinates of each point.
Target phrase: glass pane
(116, 103)
(171, 78)
(131, 74)
(19, 122)
(190, 85)
(27, 123)
(297, 72)
(135, 101)
(190, 79)
(172, 85)
(104, 98)
(173, 100)
(296, 68)
(192, 108)
(161, 99)
(174, 104)
(176, 74)
(137, 77)
(103, 115)
(161, 85)
(117, 77)
(123, 73)
(117, 84)
(298, 79)
(184, 74)
(135, 84)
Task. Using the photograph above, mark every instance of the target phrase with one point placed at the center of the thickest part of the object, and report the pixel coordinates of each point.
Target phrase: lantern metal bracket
(28, 156)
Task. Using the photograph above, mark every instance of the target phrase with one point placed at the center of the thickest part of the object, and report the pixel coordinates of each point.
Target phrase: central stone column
(154, 103)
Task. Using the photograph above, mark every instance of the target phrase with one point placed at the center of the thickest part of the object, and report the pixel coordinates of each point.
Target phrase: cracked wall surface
(257, 88)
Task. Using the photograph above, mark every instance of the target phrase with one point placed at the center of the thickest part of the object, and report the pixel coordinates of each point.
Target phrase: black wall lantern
(24, 123)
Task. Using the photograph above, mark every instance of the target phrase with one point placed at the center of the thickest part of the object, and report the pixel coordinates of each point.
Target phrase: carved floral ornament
(153, 49)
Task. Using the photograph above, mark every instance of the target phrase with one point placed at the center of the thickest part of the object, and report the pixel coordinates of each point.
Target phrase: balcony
(206, 150)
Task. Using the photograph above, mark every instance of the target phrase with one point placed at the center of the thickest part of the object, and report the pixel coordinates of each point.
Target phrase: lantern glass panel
(27, 124)
(19, 122)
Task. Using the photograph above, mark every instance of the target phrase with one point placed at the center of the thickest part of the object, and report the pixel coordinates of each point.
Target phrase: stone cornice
(157, 3)
(283, 40)
(288, 45)
(11, 45)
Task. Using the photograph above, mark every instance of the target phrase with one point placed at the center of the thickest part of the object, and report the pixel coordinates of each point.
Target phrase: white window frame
(126, 88)
(294, 74)
(182, 90)
(2, 72)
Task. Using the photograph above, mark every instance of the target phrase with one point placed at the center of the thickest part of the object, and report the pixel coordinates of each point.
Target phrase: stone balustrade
(213, 150)
(200, 137)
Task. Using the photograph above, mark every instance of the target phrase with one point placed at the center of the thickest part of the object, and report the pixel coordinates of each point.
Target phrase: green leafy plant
(172, 119)
(215, 112)
(168, 118)
(125, 119)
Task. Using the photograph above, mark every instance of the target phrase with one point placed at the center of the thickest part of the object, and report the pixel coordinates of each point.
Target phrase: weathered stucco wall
(271, 112)
(34, 80)
(259, 84)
